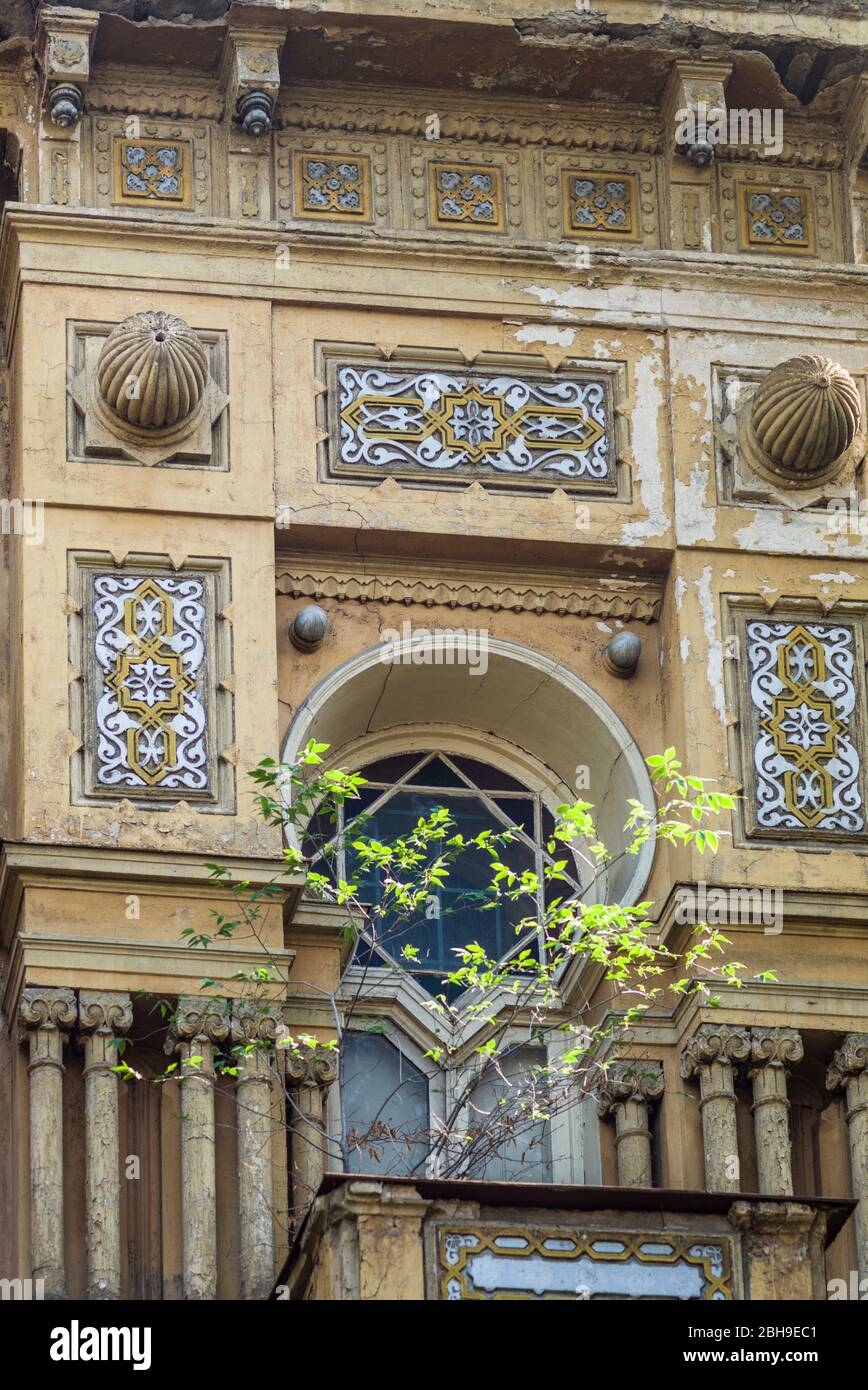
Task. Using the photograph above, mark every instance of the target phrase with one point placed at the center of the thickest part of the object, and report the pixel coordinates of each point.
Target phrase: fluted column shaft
(849, 1072)
(771, 1049)
(253, 1036)
(712, 1054)
(626, 1094)
(310, 1072)
(103, 1017)
(199, 1027)
(46, 1015)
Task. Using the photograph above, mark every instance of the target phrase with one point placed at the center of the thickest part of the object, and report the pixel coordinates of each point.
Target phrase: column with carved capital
(46, 1016)
(199, 1026)
(626, 1093)
(770, 1051)
(849, 1072)
(712, 1054)
(102, 1017)
(254, 1033)
(310, 1071)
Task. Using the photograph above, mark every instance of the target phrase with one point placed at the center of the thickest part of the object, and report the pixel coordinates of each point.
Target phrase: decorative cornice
(629, 1080)
(580, 128)
(821, 150)
(848, 1061)
(575, 599)
(714, 1043)
(132, 91)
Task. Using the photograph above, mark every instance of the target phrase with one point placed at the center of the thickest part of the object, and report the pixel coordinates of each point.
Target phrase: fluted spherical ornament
(804, 416)
(152, 371)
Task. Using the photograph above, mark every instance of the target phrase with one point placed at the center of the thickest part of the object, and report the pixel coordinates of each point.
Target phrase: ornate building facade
(553, 338)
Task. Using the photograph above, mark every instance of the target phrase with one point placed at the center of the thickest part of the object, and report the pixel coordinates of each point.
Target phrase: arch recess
(366, 706)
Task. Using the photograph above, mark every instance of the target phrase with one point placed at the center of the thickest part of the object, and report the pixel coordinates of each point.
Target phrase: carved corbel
(694, 110)
(694, 123)
(64, 41)
(250, 77)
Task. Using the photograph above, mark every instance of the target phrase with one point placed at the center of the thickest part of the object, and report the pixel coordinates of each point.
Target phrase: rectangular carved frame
(87, 681)
(738, 611)
(329, 356)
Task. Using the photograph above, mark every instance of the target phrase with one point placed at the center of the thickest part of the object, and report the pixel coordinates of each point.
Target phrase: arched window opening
(402, 789)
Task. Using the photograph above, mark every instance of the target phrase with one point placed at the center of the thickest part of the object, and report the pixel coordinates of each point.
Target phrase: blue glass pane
(511, 1145)
(488, 779)
(384, 1101)
(436, 774)
(463, 911)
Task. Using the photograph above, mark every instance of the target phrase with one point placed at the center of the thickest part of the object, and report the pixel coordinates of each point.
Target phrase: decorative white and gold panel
(321, 179)
(501, 421)
(153, 171)
(465, 195)
(595, 199)
(779, 212)
(802, 695)
(463, 189)
(487, 1262)
(151, 165)
(335, 186)
(151, 706)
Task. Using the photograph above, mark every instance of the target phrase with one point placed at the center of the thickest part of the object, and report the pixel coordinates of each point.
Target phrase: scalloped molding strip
(579, 601)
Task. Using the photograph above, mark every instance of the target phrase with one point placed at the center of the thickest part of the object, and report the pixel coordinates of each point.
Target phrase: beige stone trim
(198, 1028)
(770, 1051)
(46, 1015)
(626, 1094)
(580, 597)
(712, 1054)
(102, 1017)
(309, 1073)
(849, 1072)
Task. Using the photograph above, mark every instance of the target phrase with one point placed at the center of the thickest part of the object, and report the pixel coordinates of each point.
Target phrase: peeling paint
(841, 577)
(694, 519)
(647, 454)
(545, 333)
(786, 533)
(715, 646)
(572, 298)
